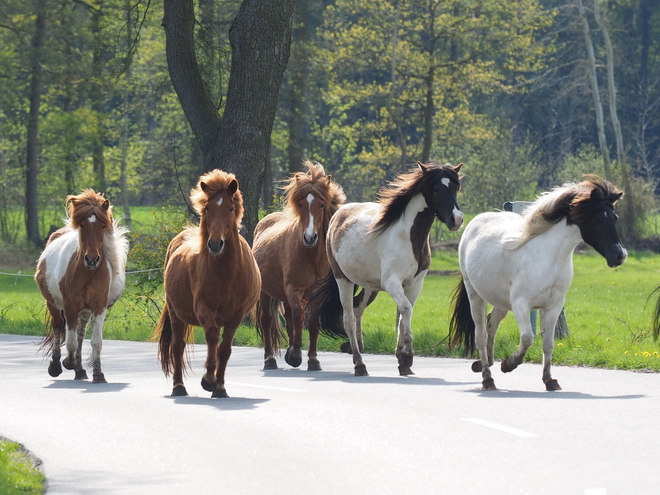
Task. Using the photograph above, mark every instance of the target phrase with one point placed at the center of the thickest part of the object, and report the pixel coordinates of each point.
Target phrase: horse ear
(204, 187)
(232, 187)
(105, 205)
(458, 167)
(422, 167)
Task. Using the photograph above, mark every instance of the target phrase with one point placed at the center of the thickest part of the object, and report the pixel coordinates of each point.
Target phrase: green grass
(18, 475)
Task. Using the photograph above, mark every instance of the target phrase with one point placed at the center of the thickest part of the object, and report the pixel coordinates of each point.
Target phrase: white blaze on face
(92, 219)
(445, 181)
(219, 202)
(309, 232)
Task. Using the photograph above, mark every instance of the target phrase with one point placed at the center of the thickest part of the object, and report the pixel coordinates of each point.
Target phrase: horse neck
(418, 216)
(560, 240)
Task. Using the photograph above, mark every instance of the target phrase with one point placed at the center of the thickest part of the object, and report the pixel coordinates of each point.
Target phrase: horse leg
(59, 327)
(493, 321)
(74, 341)
(209, 380)
(266, 319)
(313, 363)
(366, 298)
(223, 354)
(346, 297)
(548, 322)
(177, 348)
(478, 311)
(96, 324)
(295, 315)
(521, 312)
(404, 348)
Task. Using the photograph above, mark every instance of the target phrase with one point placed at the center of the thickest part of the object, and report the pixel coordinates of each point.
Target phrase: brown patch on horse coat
(419, 238)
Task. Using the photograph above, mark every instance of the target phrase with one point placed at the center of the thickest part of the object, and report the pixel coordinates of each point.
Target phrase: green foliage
(18, 475)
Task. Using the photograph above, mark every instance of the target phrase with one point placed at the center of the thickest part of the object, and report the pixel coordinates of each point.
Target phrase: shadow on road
(559, 395)
(87, 386)
(226, 404)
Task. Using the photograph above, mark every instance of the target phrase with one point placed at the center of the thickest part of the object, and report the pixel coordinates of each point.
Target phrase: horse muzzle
(618, 257)
(90, 263)
(456, 220)
(215, 248)
(310, 241)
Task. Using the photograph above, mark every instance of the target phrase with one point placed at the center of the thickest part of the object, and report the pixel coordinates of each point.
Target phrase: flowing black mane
(396, 196)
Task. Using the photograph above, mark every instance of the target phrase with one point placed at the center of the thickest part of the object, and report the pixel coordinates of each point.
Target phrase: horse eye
(322, 206)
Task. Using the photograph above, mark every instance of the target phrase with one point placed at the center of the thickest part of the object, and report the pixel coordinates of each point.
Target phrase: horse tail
(326, 308)
(275, 331)
(656, 315)
(163, 334)
(461, 325)
(48, 340)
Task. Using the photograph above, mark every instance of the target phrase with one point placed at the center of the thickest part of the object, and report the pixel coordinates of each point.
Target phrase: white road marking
(497, 426)
(283, 389)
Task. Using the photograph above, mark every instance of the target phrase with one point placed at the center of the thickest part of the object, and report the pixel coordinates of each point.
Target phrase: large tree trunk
(31, 186)
(96, 97)
(260, 38)
(591, 62)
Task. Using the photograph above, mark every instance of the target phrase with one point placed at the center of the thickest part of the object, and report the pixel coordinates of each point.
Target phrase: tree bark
(591, 62)
(260, 38)
(31, 186)
(96, 97)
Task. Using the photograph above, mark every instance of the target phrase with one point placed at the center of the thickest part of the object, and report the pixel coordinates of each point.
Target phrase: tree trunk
(260, 38)
(123, 182)
(591, 62)
(31, 186)
(96, 97)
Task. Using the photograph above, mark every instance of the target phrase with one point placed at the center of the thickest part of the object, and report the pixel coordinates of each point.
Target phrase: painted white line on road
(497, 426)
(283, 389)
(595, 491)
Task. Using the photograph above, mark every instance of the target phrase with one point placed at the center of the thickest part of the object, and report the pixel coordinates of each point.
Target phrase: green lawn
(18, 474)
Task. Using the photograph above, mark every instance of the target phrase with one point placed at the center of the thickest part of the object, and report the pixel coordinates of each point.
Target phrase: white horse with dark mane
(521, 263)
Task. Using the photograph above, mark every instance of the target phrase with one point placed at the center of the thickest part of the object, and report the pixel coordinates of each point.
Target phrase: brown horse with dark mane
(81, 274)
(289, 247)
(211, 280)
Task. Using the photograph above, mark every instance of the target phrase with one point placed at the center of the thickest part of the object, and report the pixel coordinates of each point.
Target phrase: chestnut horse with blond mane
(211, 280)
(289, 247)
(81, 273)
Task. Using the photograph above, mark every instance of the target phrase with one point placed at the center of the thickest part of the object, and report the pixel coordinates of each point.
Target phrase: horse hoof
(361, 370)
(209, 386)
(54, 368)
(99, 378)
(405, 370)
(66, 362)
(476, 367)
(292, 360)
(489, 384)
(552, 385)
(270, 363)
(346, 348)
(220, 393)
(179, 391)
(81, 375)
(405, 360)
(313, 365)
(508, 365)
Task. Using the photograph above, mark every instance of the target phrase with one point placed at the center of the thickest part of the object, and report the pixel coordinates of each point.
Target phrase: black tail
(656, 316)
(276, 331)
(461, 326)
(326, 308)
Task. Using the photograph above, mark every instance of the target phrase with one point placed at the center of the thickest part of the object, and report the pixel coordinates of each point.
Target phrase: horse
(211, 280)
(521, 263)
(289, 247)
(81, 274)
(384, 246)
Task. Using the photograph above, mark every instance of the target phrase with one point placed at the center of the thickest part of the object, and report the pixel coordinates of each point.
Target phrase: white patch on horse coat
(219, 202)
(458, 216)
(445, 181)
(309, 232)
(92, 219)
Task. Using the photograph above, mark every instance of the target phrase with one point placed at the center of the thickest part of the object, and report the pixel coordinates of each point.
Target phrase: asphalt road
(291, 431)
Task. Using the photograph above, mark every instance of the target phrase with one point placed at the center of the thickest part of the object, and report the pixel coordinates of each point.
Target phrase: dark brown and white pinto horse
(211, 280)
(81, 273)
(384, 246)
(289, 247)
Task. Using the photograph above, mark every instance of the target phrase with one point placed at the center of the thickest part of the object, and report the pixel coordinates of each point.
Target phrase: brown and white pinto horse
(81, 273)
(384, 246)
(289, 247)
(211, 280)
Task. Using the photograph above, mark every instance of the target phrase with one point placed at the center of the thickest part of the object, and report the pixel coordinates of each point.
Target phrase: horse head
(593, 213)
(218, 215)
(314, 198)
(90, 213)
(441, 194)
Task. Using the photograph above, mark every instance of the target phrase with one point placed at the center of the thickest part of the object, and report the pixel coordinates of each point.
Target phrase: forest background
(527, 93)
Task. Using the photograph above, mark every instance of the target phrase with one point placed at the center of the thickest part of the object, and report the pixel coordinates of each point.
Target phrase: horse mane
(316, 182)
(84, 205)
(576, 202)
(397, 194)
(214, 182)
